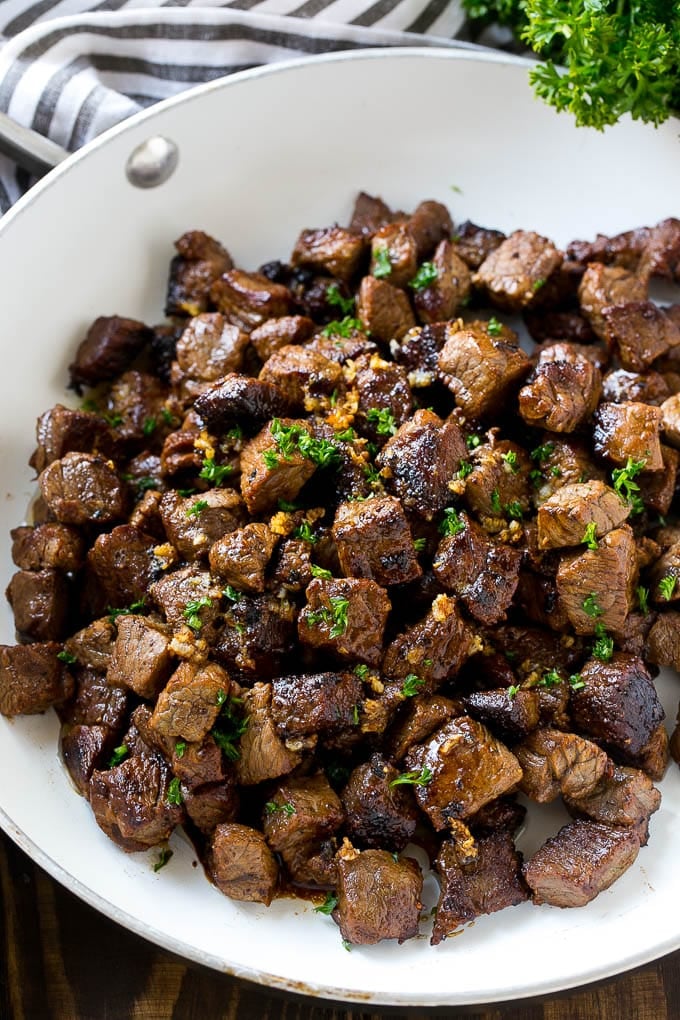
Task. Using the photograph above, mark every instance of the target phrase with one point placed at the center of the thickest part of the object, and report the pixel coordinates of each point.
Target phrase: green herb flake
(164, 856)
(328, 905)
(361, 671)
(336, 300)
(419, 544)
(590, 535)
(496, 502)
(180, 748)
(174, 794)
(346, 436)
(591, 606)
(196, 508)
(414, 778)
(627, 488)
(149, 426)
(576, 682)
(131, 610)
(536, 477)
(472, 442)
(213, 472)
(494, 327)
(288, 508)
(452, 524)
(168, 417)
(510, 459)
(336, 615)
(355, 715)
(542, 453)
(667, 586)
(321, 572)
(514, 510)
(537, 284)
(465, 469)
(66, 657)
(272, 806)
(230, 726)
(192, 612)
(550, 679)
(118, 755)
(304, 533)
(230, 593)
(603, 649)
(385, 424)
(412, 685)
(382, 264)
(343, 327)
(643, 599)
(513, 690)
(270, 459)
(347, 945)
(427, 275)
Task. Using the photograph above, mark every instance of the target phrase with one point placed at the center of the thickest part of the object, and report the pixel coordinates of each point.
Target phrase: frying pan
(254, 159)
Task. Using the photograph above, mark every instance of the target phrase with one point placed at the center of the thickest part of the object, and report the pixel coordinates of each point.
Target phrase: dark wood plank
(61, 960)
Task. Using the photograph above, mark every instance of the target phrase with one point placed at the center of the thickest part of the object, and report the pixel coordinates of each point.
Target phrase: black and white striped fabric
(69, 69)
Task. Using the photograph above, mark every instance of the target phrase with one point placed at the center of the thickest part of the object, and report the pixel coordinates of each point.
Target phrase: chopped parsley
(347, 435)
(66, 657)
(513, 689)
(667, 586)
(328, 905)
(292, 439)
(385, 425)
(213, 472)
(576, 682)
(135, 607)
(510, 459)
(168, 417)
(305, 533)
(164, 856)
(118, 754)
(414, 778)
(643, 599)
(419, 544)
(355, 715)
(272, 806)
(494, 327)
(196, 508)
(336, 615)
(590, 535)
(550, 679)
(343, 327)
(361, 671)
(113, 419)
(452, 523)
(382, 264)
(335, 298)
(287, 507)
(174, 794)
(230, 593)
(229, 727)
(543, 453)
(591, 606)
(149, 426)
(627, 488)
(536, 477)
(465, 469)
(425, 277)
(472, 442)
(496, 501)
(192, 612)
(180, 748)
(412, 685)
(537, 284)
(603, 649)
(321, 572)
(514, 510)
(270, 459)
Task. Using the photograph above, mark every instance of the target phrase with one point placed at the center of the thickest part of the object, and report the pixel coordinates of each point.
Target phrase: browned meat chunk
(263, 755)
(301, 814)
(618, 704)
(626, 797)
(95, 703)
(212, 805)
(654, 756)
(92, 646)
(334, 250)
(378, 897)
(425, 714)
(596, 586)
(629, 431)
(210, 347)
(498, 485)
(136, 401)
(141, 657)
(394, 254)
(241, 864)
(342, 348)
(291, 566)
(385, 400)
(345, 616)
(663, 641)
(197, 764)
(384, 310)
(110, 344)
(249, 299)
(549, 325)
(193, 523)
(32, 678)
(670, 419)
(48, 546)
(199, 262)
(374, 540)
(238, 398)
(39, 601)
(491, 881)
(480, 370)
(657, 488)
(461, 768)
(81, 488)
(185, 593)
(474, 244)
(257, 635)
(555, 763)
(190, 703)
(84, 749)
(433, 649)
(311, 703)
(442, 286)
(418, 352)
(513, 274)
(576, 510)
(267, 475)
(560, 460)
(430, 223)
(274, 334)
(640, 332)
(61, 430)
(379, 814)
(130, 802)
(119, 568)
(420, 460)
(579, 862)
(620, 386)
(241, 557)
(563, 390)
(482, 573)
(301, 374)
(602, 286)
(369, 214)
(510, 716)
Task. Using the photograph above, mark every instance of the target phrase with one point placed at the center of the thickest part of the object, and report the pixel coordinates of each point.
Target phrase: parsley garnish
(336, 614)
(603, 649)
(514, 510)
(213, 472)
(465, 469)
(192, 612)
(494, 327)
(472, 442)
(361, 671)
(513, 689)
(168, 417)
(66, 657)
(667, 586)
(382, 264)
(510, 459)
(180, 748)
(451, 524)
(119, 753)
(229, 727)
(537, 284)
(292, 438)
(195, 509)
(576, 682)
(230, 593)
(622, 479)
(321, 572)
(346, 436)
(271, 807)
(270, 459)
(355, 715)
(136, 607)
(550, 679)
(328, 905)
(174, 794)
(384, 419)
(496, 501)
(591, 606)
(164, 856)
(335, 298)
(412, 685)
(305, 533)
(590, 535)
(414, 778)
(419, 544)
(643, 599)
(536, 477)
(542, 453)
(425, 277)
(345, 327)
(149, 426)
(287, 507)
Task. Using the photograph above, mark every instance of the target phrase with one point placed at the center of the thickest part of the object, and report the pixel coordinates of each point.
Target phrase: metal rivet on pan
(152, 162)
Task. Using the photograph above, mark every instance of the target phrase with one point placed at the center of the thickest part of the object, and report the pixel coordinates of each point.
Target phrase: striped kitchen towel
(72, 68)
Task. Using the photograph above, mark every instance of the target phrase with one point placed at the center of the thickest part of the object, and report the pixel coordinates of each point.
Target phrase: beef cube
(548, 325)
(430, 223)
(622, 249)
(301, 374)
(346, 617)
(661, 252)
(424, 715)
(178, 592)
(562, 392)
(378, 897)
(194, 523)
(136, 401)
(146, 516)
(369, 214)
(491, 881)
(379, 814)
(239, 399)
(418, 352)
(62, 430)
(383, 387)
(538, 598)
(291, 566)
(481, 371)
(483, 574)
(555, 763)
(48, 546)
(110, 345)
(394, 254)
(95, 702)
(433, 649)
(384, 310)
(40, 602)
(267, 475)
(629, 431)
(179, 455)
(84, 749)
(263, 755)
(579, 862)
(449, 290)
(474, 244)
(561, 460)
(210, 347)
(249, 299)
(241, 557)
(596, 586)
(670, 419)
(342, 348)
(81, 488)
(257, 635)
(602, 286)
(663, 641)
(92, 645)
(310, 703)
(32, 678)
(241, 864)
(640, 332)
(274, 334)
(626, 797)
(511, 718)
(420, 460)
(657, 488)
(130, 802)
(461, 768)
(199, 262)
(514, 273)
(618, 704)
(141, 657)
(119, 566)
(620, 386)
(374, 540)
(189, 704)
(212, 805)
(302, 813)
(498, 485)
(333, 250)
(565, 518)
(654, 757)
(501, 815)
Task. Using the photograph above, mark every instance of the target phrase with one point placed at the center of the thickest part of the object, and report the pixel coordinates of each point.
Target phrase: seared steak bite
(249, 299)
(497, 488)
(511, 715)
(335, 250)
(262, 753)
(312, 703)
(394, 254)
(48, 546)
(241, 864)
(378, 897)
(369, 214)
(110, 345)
(346, 616)
(577, 510)
(579, 862)
(385, 400)
(141, 657)
(418, 352)
(256, 635)
(380, 813)
(618, 704)
(92, 645)
(199, 262)
(443, 286)
(298, 817)
(474, 244)
(84, 749)
(555, 763)
(663, 576)
(514, 272)
(670, 420)
(629, 431)
(189, 704)
(274, 334)
(624, 797)
(640, 332)
(429, 223)
(433, 649)
(239, 398)
(384, 310)
(62, 430)
(596, 586)
(419, 461)
(374, 540)
(210, 347)
(425, 714)
(482, 372)
(119, 568)
(241, 557)
(650, 387)
(187, 597)
(32, 678)
(95, 702)
(212, 805)
(39, 601)
(460, 769)
(603, 286)
(131, 804)
(267, 475)
(663, 641)
(301, 374)
(563, 390)
(82, 488)
(193, 523)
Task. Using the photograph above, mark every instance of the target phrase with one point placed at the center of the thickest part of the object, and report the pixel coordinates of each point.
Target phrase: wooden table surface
(61, 960)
